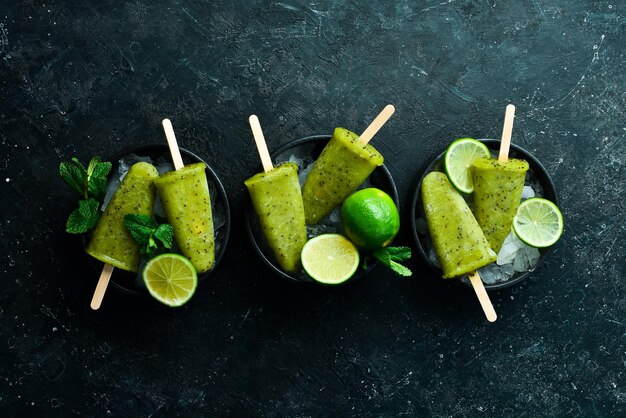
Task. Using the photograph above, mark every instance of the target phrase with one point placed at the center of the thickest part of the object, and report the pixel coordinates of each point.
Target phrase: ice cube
(123, 167)
(521, 262)
(490, 274)
(533, 256)
(163, 166)
(509, 249)
(294, 159)
(508, 270)
(527, 258)
(305, 169)
(527, 192)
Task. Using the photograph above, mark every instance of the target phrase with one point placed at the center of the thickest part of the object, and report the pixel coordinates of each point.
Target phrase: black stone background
(93, 77)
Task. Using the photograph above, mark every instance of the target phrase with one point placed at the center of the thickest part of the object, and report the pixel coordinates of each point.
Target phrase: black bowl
(130, 282)
(310, 146)
(540, 173)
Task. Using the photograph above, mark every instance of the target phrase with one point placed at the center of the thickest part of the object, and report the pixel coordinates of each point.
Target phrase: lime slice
(330, 258)
(171, 279)
(458, 160)
(538, 222)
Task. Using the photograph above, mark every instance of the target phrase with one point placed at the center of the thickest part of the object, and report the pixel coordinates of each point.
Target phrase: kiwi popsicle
(498, 189)
(345, 162)
(110, 241)
(187, 205)
(459, 242)
(277, 201)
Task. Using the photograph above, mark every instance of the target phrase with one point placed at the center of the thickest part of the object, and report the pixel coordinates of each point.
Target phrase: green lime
(171, 279)
(458, 160)
(370, 218)
(330, 258)
(539, 222)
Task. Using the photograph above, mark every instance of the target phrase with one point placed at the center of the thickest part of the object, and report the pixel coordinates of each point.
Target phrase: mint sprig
(84, 217)
(391, 256)
(90, 183)
(149, 235)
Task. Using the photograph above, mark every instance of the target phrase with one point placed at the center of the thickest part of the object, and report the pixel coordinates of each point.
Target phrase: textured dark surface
(92, 77)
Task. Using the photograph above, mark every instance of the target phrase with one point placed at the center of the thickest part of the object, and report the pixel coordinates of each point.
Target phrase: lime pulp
(330, 258)
(538, 222)
(171, 279)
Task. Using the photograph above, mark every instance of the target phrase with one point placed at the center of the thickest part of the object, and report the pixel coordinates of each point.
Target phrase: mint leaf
(78, 164)
(97, 173)
(140, 227)
(102, 169)
(148, 233)
(165, 234)
(389, 257)
(92, 165)
(74, 175)
(138, 219)
(400, 269)
(96, 187)
(398, 253)
(149, 248)
(84, 217)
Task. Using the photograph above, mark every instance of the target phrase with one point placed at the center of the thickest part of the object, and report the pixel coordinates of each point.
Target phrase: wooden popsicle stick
(376, 124)
(507, 130)
(101, 287)
(261, 146)
(483, 297)
(171, 141)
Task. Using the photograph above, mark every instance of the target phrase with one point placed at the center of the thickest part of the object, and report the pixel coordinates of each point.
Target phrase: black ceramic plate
(310, 147)
(132, 283)
(540, 173)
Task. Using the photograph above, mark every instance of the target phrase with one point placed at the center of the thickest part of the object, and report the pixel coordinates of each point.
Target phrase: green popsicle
(110, 241)
(187, 205)
(498, 189)
(459, 242)
(340, 169)
(277, 201)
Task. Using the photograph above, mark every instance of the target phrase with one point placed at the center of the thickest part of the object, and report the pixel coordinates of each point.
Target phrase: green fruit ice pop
(340, 169)
(110, 241)
(187, 205)
(459, 242)
(498, 189)
(277, 201)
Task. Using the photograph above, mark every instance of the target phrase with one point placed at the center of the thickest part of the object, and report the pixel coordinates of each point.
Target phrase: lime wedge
(171, 279)
(539, 222)
(330, 258)
(458, 160)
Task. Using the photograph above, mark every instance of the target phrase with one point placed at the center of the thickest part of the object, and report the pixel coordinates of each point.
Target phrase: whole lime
(370, 218)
